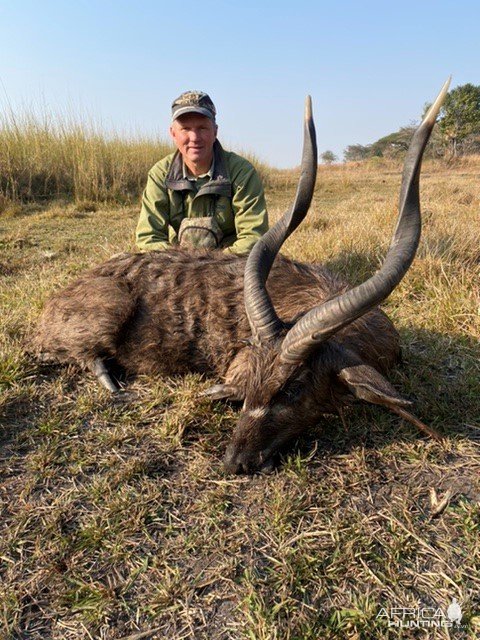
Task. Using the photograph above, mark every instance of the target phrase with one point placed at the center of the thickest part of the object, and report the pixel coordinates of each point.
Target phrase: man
(201, 195)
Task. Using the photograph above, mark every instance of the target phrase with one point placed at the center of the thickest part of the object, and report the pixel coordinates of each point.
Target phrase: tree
(328, 157)
(356, 152)
(458, 129)
(460, 116)
(394, 144)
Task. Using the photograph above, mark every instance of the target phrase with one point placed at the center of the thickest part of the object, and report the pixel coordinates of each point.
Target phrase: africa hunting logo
(422, 617)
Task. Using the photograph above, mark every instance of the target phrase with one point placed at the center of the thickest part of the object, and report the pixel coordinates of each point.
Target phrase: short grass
(116, 517)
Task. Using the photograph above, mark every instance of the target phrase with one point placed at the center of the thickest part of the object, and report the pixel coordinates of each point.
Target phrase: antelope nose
(236, 460)
(232, 465)
(235, 468)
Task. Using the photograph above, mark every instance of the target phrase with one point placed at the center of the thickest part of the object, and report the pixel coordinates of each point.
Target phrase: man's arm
(249, 209)
(152, 226)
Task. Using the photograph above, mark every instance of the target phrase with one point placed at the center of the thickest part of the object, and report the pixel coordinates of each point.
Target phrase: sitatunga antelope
(290, 340)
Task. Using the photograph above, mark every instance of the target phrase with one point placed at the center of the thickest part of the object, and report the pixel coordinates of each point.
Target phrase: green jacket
(233, 195)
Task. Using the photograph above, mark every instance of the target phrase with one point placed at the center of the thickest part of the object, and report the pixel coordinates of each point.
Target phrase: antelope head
(299, 371)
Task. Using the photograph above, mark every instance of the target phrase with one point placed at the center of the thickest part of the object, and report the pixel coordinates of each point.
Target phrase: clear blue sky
(369, 65)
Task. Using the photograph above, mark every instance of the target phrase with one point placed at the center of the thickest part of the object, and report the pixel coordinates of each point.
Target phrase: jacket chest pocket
(178, 209)
(186, 205)
(224, 215)
(198, 206)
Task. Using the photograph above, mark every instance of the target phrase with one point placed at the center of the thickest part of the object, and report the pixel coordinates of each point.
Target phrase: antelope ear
(223, 392)
(367, 384)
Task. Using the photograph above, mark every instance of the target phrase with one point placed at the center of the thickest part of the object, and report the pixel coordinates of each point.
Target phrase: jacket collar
(220, 183)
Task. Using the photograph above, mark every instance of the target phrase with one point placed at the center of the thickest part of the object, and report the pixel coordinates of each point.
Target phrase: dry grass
(43, 158)
(116, 516)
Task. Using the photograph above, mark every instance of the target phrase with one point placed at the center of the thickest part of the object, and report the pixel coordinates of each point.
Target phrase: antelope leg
(100, 370)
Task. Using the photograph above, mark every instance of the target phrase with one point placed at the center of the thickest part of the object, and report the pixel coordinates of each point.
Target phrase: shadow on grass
(354, 266)
(439, 375)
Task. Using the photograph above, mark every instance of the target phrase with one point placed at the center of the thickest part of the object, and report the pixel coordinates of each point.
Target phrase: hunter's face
(194, 135)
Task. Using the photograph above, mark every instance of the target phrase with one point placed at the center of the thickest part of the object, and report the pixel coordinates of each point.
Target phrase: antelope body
(290, 340)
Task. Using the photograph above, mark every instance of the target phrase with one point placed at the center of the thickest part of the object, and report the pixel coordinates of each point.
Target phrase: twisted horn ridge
(325, 320)
(264, 322)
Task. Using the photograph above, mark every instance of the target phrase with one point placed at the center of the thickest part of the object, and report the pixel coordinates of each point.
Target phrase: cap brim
(199, 110)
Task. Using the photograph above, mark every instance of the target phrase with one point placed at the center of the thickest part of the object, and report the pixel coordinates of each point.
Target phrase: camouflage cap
(193, 102)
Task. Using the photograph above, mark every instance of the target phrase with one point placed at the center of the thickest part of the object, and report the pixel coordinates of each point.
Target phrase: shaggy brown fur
(177, 311)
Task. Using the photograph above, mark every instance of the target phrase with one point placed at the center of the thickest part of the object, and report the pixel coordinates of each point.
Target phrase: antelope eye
(293, 391)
